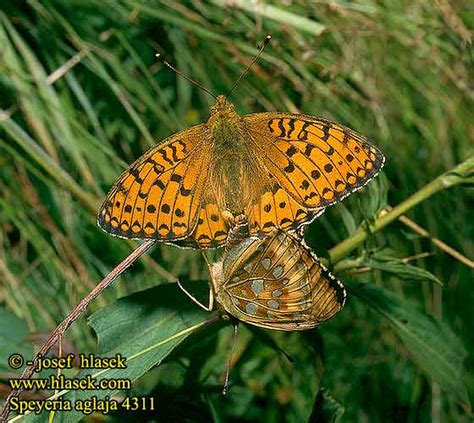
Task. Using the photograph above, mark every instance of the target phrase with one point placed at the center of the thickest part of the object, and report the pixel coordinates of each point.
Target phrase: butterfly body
(278, 169)
(234, 166)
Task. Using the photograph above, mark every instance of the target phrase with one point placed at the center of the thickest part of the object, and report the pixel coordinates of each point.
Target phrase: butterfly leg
(211, 291)
(225, 388)
(193, 298)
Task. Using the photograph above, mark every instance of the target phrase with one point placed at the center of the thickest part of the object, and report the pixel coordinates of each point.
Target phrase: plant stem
(462, 173)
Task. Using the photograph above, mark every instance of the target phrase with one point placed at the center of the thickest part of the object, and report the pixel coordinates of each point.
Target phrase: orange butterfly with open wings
(280, 170)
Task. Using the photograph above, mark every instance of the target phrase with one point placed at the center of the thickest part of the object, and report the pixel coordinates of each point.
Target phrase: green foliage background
(81, 95)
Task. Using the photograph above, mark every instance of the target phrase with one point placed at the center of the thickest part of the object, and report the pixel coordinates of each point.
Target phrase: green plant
(82, 96)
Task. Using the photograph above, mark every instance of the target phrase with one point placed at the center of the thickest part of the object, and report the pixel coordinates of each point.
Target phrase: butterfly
(280, 170)
(275, 282)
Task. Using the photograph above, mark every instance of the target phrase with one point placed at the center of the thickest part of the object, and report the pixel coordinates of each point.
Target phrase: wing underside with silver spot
(279, 284)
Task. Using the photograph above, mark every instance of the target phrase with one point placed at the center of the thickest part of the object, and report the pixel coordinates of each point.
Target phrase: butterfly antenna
(166, 63)
(245, 72)
(225, 389)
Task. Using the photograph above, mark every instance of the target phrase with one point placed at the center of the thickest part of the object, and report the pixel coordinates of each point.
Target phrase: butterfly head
(223, 122)
(222, 107)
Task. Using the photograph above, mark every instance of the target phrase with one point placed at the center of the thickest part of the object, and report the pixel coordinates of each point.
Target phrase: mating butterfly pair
(243, 182)
(279, 171)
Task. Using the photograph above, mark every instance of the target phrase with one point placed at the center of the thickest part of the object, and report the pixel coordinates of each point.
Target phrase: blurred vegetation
(81, 95)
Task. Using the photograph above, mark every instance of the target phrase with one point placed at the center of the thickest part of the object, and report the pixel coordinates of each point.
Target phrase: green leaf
(144, 328)
(432, 344)
(13, 331)
(376, 198)
(348, 218)
(402, 270)
(12, 328)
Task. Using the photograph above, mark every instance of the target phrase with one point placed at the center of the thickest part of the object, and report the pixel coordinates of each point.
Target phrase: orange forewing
(314, 161)
(159, 196)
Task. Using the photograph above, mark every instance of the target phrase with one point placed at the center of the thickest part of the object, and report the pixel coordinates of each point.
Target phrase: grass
(82, 95)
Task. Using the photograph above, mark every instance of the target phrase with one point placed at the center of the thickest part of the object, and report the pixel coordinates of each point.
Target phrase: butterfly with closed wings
(275, 282)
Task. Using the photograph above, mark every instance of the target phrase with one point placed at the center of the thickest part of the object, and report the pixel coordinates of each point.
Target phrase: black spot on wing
(176, 178)
(163, 154)
(291, 124)
(136, 174)
(174, 153)
(281, 128)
